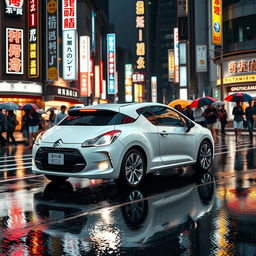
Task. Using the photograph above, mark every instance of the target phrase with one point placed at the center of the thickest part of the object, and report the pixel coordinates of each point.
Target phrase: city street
(174, 213)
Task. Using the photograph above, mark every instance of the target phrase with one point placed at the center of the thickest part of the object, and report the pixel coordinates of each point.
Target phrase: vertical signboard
(93, 33)
(111, 63)
(69, 54)
(217, 22)
(14, 51)
(176, 55)
(14, 7)
(85, 81)
(52, 35)
(171, 65)
(182, 8)
(201, 58)
(154, 88)
(33, 39)
(128, 82)
(69, 38)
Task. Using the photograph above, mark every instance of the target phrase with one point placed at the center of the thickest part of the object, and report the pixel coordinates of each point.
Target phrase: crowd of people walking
(31, 124)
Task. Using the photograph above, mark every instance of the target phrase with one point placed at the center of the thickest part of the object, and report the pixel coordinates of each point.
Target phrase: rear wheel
(58, 179)
(204, 158)
(133, 169)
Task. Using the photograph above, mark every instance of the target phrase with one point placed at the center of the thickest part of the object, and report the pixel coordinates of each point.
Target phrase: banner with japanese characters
(217, 22)
(69, 54)
(52, 35)
(68, 14)
(14, 51)
(33, 39)
(111, 63)
(84, 58)
(14, 7)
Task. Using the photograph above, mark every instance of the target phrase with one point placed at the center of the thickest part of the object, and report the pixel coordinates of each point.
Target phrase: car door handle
(164, 133)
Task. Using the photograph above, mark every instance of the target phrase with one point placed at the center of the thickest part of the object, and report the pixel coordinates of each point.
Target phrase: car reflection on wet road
(173, 213)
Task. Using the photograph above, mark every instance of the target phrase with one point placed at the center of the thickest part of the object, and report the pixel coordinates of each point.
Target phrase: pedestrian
(188, 112)
(11, 125)
(33, 124)
(249, 113)
(238, 120)
(2, 128)
(61, 115)
(25, 127)
(198, 116)
(52, 118)
(211, 117)
(223, 116)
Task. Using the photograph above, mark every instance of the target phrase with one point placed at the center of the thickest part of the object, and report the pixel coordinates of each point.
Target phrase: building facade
(43, 55)
(239, 45)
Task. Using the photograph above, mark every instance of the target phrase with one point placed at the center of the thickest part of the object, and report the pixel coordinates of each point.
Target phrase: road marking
(4, 157)
(220, 153)
(19, 159)
(15, 168)
(22, 178)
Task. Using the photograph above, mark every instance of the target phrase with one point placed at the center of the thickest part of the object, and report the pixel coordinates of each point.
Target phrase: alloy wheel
(205, 156)
(134, 168)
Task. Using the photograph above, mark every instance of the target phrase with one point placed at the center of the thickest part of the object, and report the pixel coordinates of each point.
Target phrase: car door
(176, 144)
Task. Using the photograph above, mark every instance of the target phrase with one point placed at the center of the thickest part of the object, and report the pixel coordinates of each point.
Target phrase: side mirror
(189, 125)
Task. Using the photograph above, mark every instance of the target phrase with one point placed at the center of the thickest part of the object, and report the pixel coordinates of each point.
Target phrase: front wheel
(133, 169)
(204, 158)
(57, 179)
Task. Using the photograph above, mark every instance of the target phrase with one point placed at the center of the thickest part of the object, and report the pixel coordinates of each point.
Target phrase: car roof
(125, 108)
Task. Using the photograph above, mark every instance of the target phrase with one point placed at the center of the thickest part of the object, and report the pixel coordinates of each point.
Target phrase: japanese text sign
(69, 14)
(217, 22)
(111, 63)
(52, 46)
(14, 7)
(14, 51)
(69, 55)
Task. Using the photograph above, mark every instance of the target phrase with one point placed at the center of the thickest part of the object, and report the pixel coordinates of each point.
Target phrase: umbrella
(41, 111)
(183, 103)
(51, 109)
(9, 106)
(200, 102)
(30, 106)
(218, 103)
(238, 96)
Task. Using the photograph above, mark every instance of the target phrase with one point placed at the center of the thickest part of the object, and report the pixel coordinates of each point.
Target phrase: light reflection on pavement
(168, 214)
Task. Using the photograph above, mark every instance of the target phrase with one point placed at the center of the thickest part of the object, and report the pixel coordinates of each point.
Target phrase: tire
(204, 157)
(133, 169)
(57, 179)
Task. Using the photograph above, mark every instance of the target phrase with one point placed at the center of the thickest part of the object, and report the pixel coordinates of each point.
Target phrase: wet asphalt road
(174, 213)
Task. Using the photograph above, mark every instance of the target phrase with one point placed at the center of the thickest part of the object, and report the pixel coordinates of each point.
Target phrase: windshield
(96, 118)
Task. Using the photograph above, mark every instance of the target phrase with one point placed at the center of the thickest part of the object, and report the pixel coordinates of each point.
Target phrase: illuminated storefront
(239, 75)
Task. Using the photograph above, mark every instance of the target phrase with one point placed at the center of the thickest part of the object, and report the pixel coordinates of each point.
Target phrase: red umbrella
(30, 106)
(200, 102)
(239, 97)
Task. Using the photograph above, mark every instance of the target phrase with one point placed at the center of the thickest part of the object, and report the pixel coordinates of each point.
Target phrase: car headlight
(38, 140)
(103, 139)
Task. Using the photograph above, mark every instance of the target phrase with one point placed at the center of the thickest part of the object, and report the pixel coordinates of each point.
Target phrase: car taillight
(103, 139)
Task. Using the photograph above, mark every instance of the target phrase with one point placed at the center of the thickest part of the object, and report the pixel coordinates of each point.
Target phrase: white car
(123, 142)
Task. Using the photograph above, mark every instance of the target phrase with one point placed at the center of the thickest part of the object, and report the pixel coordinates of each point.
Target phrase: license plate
(56, 159)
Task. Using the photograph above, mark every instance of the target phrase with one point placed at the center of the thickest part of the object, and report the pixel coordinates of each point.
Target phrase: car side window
(167, 117)
(147, 113)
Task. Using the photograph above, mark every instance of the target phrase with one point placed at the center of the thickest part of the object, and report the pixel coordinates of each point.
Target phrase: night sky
(122, 15)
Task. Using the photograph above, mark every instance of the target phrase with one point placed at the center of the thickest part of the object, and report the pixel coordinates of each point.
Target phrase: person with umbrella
(211, 117)
(11, 125)
(223, 118)
(238, 120)
(2, 127)
(249, 113)
(25, 127)
(33, 124)
(198, 116)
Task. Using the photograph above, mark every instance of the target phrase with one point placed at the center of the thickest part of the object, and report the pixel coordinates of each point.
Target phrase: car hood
(74, 134)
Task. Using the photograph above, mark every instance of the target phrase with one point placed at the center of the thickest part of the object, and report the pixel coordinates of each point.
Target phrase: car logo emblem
(58, 143)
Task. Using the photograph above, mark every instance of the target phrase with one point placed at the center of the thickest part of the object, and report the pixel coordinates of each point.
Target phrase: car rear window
(96, 118)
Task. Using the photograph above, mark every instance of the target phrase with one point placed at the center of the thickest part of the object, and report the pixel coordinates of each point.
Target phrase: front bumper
(109, 157)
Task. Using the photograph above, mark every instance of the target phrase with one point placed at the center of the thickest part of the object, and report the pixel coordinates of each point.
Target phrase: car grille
(73, 160)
